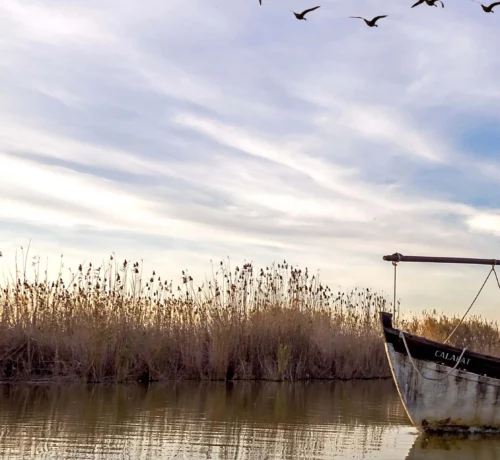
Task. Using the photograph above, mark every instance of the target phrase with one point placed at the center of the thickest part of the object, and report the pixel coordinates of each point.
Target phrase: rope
(474, 301)
(496, 276)
(395, 263)
(402, 336)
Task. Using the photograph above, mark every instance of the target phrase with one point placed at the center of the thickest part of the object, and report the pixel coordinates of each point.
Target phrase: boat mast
(396, 257)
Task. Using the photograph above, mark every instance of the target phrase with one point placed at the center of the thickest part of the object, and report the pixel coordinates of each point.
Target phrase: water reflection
(239, 420)
(455, 447)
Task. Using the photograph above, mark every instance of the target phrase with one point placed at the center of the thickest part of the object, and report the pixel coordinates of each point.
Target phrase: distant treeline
(113, 323)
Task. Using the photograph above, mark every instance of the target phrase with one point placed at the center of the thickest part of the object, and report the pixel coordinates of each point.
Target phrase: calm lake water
(240, 420)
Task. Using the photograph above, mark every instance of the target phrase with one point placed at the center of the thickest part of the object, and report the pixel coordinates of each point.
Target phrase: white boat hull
(460, 401)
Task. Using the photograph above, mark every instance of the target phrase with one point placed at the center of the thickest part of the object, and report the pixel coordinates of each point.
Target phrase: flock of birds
(372, 22)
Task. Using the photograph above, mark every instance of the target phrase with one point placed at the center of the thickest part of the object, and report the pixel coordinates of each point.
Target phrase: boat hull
(437, 396)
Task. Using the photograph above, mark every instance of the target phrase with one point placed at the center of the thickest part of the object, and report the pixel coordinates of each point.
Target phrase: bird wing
(310, 9)
(376, 18)
(418, 3)
(442, 4)
(356, 17)
(494, 4)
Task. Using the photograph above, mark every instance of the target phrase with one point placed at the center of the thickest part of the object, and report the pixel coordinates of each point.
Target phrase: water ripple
(240, 420)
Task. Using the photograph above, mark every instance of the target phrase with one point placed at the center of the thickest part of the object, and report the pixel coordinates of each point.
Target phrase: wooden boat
(443, 388)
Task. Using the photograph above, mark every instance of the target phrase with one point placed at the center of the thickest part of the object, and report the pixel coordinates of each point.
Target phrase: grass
(113, 323)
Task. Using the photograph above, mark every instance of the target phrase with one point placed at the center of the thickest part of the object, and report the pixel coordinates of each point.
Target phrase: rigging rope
(395, 263)
(402, 336)
(474, 301)
(496, 276)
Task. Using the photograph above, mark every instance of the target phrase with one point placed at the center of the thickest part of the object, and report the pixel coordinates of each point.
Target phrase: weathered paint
(461, 401)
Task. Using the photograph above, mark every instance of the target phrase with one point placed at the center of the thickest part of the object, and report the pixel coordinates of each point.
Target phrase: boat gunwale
(420, 346)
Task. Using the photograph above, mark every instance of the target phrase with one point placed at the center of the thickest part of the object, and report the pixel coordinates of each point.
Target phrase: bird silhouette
(301, 15)
(372, 22)
(429, 2)
(488, 9)
(260, 2)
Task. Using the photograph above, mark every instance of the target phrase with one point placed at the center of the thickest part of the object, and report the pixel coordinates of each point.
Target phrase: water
(240, 420)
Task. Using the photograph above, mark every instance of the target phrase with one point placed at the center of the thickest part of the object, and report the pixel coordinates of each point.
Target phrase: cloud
(36, 21)
(194, 131)
(380, 125)
(24, 140)
(486, 222)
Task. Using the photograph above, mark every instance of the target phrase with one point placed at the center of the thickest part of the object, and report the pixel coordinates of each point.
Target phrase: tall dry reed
(475, 333)
(112, 322)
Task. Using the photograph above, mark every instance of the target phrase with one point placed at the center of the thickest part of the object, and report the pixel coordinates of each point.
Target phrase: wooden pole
(396, 257)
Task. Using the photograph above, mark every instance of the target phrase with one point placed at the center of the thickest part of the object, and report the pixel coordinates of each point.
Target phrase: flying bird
(301, 15)
(488, 9)
(429, 2)
(372, 22)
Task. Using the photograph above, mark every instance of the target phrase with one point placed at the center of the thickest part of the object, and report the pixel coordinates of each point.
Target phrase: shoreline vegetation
(113, 323)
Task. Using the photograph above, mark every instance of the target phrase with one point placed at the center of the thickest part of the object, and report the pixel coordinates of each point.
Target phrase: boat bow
(443, 387)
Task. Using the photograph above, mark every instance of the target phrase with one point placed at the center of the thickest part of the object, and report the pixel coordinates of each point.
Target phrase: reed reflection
(204, 420)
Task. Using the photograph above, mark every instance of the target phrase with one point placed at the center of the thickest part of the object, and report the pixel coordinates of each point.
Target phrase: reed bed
(113, 323)
(475, 333)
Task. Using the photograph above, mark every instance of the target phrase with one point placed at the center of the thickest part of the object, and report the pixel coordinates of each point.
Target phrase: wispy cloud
(184, 132)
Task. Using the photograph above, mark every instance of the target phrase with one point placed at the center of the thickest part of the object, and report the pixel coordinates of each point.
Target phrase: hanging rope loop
(402, 336)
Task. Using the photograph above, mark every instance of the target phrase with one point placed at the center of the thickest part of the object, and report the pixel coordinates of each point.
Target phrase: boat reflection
(455, 447)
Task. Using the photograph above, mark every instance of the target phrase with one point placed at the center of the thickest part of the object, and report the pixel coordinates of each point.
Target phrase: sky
(180, 133)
